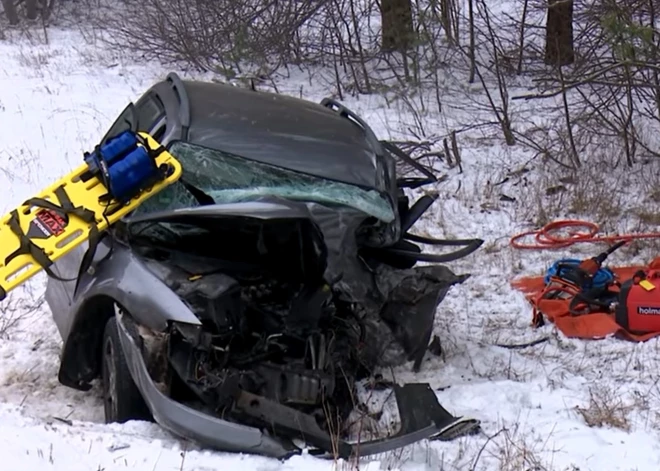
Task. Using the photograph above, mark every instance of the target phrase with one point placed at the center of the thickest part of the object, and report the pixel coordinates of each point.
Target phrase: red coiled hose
(546, 237)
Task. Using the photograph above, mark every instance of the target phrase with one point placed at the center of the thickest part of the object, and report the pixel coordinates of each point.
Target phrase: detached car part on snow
(241, 305)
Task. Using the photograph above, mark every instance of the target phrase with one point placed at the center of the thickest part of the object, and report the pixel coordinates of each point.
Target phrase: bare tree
(446, 7)
(397, 25)
(559, 33)
(10, 11)
(472, 40)
(31, 10)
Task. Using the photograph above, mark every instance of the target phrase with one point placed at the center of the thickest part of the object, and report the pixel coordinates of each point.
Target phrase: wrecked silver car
(241, 306)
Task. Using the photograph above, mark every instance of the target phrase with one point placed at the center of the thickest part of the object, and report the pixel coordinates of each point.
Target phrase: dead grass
(595, 199)
(645, 216)
(16, 308)
(492, 247)
(557, 194)
(514, 448)
(33, 59)
(606, 408)
(654, 195)
(596, 192)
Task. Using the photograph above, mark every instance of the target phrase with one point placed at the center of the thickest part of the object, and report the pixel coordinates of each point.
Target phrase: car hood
(262, 209)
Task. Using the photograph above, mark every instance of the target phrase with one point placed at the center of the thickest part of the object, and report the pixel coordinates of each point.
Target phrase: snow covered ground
(560, 405)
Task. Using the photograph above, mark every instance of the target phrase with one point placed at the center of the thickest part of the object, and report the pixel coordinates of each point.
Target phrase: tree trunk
(10, 11)
(31, 9)
(397, 25)
(473, 62)
(445, 15)
(559, 33)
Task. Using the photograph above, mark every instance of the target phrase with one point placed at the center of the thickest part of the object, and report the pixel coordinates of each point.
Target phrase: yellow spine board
(60, 240)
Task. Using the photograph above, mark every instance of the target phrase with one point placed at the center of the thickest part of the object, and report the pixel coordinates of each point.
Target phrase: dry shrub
(18, 307)
(606, 408)
(515, 449)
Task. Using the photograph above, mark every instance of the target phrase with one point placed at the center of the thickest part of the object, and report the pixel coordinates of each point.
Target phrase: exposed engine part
(294, 386)
(153, 348)
(216, 298)
(300, 365)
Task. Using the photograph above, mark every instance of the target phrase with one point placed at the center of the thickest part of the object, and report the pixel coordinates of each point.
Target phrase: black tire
(122, 400)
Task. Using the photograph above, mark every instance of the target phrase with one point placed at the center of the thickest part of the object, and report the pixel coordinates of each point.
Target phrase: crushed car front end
(275, 429)
(276, 350)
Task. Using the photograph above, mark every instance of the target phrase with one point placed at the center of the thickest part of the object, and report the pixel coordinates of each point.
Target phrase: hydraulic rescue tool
(590, 287)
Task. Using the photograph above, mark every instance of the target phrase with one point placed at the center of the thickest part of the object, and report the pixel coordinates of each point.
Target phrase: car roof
(282, 130)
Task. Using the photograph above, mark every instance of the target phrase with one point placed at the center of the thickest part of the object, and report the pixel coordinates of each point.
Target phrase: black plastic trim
(184, 112)
(394, 150)
(343, 111)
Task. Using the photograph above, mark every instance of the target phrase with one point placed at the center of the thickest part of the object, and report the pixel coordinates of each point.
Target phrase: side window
(141, 116)
(149, 112)
(158, 132)
(126, 120)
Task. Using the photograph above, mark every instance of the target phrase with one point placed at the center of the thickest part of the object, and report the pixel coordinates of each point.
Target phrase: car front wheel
(121, 398)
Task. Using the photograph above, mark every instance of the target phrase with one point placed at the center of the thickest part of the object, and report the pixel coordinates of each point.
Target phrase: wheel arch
(80, 362)
(125, 281)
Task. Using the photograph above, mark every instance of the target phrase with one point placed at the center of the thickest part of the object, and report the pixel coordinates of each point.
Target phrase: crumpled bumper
(422, 417)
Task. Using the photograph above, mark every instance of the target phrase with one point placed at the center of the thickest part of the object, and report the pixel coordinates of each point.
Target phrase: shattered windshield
(230, 179)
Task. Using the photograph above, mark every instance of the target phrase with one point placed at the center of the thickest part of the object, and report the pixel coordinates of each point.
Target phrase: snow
(538, 405)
